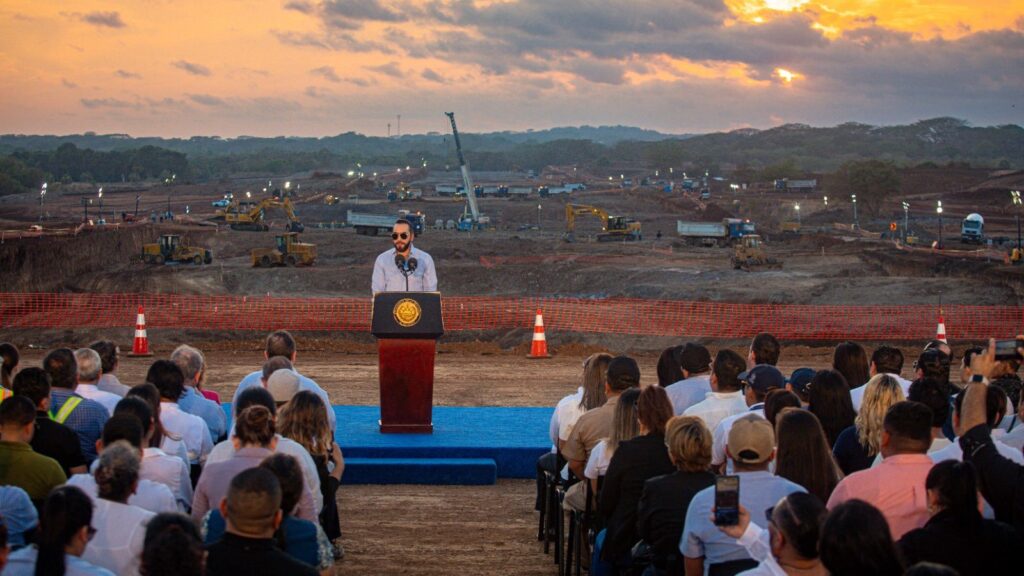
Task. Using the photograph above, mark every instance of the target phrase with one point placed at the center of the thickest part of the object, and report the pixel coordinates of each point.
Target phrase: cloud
(106, 103)
(429, 74)
(127, 75)
(192, 68)
(206, 100)
(314, 92)
(102, 19)
(68, 83)
(300, 6)
(326, 72)
(389, 69)
(349, 14)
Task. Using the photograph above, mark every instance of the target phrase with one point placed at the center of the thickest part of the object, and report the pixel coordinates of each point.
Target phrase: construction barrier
(627, 316)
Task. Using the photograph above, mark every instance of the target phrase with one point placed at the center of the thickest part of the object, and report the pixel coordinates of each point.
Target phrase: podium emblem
(407, 312)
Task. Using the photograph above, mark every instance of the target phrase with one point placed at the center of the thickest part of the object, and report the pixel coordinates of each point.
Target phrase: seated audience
(109, 360)
(192, 430)
(830, 402)
(935, 397)
(624, 427)
(252, 514)
(798, 384)
(894, 486)
(50, 438)
(884, 360)
(856, 447)
(790, 545)
(764, 349)
(855, 541)
(169, 442)
(995, 407)
(89, 373)
(19, 516)
(172, 547)
(665, 499)
(851, 360)
(726, 396)
(9, 359)
(157, 465)
(670, 368)
(778, 400)
(20, 465)
(803, 456)
(695, 362)
(757, 383)
(86, 417)
(193, 367)
(65, 532)
(751, 448)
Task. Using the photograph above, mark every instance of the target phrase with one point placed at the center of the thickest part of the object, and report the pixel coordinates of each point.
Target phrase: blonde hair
(625, 424)
(595, 369)
(881, 392)
(689, 443)
(304, 420)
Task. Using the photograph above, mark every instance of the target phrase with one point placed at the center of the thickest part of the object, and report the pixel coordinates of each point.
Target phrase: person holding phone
(404, 268)
(751, 449)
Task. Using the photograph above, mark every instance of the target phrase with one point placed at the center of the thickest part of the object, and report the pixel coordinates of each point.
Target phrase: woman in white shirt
(157, 465)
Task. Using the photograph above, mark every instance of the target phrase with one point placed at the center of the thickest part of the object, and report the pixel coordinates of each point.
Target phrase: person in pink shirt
(897, 485)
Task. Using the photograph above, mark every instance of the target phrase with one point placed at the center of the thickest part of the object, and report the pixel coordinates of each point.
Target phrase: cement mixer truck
(972, 229)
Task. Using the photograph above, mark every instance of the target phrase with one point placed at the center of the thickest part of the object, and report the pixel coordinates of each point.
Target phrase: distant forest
(25, 161)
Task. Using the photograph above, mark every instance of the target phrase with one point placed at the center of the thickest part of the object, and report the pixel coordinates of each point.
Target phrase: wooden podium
(407, 326)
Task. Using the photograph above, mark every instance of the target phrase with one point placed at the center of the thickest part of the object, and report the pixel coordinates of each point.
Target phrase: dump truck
(612, 227)
(170, 249)
(372, 224)
(728, 231)
(749, 251)
(288, 251)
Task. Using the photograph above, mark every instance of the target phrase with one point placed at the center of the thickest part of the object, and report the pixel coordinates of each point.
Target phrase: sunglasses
(396, 235)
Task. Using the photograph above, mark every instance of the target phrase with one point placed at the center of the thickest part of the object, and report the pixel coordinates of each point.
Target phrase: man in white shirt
(994, 399)
(759, 380)
(109, 360)
(89, 372)
(726, 396)
(192, 430)
(281, 343)
(696, 383)
(884, 360)
(158, 466)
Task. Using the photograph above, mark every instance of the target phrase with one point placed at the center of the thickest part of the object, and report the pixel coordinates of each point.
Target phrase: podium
(407, 326)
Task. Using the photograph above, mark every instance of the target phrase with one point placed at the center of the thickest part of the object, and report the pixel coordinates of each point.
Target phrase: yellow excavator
(288, 251)
(250, 216)
(613, 228)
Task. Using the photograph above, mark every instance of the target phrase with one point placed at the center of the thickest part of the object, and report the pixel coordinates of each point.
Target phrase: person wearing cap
(799, 382)
(726, 396)
(696, 382)
(896, 486)
(759, 380)
(623, 373)
(283, 385)
(884, 360)
(751, 449)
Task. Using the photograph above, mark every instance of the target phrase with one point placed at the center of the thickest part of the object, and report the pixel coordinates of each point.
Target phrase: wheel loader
(170, 249)
(749, 252)
(288, 251)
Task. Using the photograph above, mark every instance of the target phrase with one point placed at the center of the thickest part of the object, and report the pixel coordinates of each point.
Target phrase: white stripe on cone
(539, 336)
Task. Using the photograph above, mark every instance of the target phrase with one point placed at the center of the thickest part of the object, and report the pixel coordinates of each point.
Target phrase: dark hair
(404, 221)
(168, 379)
(995, 405)
(653, 409)
(930, 569)
(850, 360)
(670, 368)
(1009, 384)
(765, 348)
(108, 354)
(887, 360)
(125, 427)
(10, 356)
(275, 363)
(289, 475)
(137, 407)
(856, 540)
(32, 383)
(66, 511)
(934, 364)
(910, 426)
(727, 368)
(800, 516)
(255, 425)
(776, 400)
(623, 373)
(253, 500)
(151, 396)
(933, 395)
(829, 399)
(969, 354)
(3, 533)
(62, 367)
(280, 343)
(695, 358)
(956, 484)
(172, 547)
(804, 455)
(255, 396)
(17, 411)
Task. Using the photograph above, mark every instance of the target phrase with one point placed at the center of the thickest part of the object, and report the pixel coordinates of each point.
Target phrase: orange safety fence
(627, 316)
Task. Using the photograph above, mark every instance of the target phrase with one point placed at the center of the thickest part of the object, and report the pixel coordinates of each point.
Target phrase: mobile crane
(612, 227)
(473, 219)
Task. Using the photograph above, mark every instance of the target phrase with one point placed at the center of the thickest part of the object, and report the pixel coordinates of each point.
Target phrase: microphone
(411, 264)
(400, 261)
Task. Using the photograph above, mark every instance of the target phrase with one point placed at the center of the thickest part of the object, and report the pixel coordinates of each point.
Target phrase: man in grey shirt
(404, 268)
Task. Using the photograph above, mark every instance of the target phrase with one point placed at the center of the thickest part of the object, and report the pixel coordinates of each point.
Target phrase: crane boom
(467, 181)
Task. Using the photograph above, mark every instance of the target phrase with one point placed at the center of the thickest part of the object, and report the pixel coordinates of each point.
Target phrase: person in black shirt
(252, 511)
(51, 438)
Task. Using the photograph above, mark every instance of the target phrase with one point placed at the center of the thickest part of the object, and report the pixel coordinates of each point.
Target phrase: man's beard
(402, 246)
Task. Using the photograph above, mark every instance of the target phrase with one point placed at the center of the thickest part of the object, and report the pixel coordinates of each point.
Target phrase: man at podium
(404, 268)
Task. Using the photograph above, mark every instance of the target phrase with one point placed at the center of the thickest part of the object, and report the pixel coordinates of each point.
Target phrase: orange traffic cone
(941, 332)
(539, 347)
(141, 345)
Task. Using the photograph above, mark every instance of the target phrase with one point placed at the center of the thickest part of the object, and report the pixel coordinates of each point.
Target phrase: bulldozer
(288, 252)
(749, 252)
(170, 249)
(612, 227)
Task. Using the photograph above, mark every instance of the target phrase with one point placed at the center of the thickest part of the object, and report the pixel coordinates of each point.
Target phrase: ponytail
(66, 511)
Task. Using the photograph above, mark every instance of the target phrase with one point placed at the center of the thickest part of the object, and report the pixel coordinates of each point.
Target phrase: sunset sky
(316, 68)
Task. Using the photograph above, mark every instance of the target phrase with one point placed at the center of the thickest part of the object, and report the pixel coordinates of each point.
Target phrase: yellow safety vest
(65, 410)
(5, 394)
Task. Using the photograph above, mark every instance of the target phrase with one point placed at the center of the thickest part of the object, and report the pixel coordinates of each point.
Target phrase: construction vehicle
(170, 249)
(331, 199)
(471, 219)
(972, 229)
(288, 251)
(251, 216)
(372, 224)
(728, 231)
(749, 251)
(612, 227)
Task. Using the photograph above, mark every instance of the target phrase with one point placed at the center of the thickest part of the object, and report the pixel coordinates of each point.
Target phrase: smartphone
(1007, 349)
(727, 500)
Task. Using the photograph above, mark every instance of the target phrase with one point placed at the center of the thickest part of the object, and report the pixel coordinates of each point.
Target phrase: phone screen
(1007, 350)
(727, 500)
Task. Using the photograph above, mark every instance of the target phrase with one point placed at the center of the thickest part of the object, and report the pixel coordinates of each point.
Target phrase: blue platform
(470, 445)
